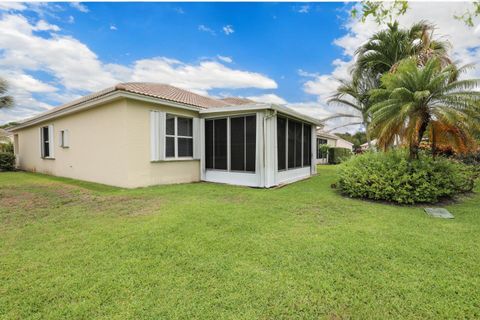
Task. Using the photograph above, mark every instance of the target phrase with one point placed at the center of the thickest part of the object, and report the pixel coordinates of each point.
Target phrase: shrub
(7, 161)
(338, 155)
(390, 176)
(6, 147)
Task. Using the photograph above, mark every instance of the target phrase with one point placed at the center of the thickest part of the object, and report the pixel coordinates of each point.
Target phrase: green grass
(77, 250)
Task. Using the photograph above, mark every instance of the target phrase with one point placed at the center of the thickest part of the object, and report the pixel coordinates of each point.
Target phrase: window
(293, 144)
(242, 143)
(64, 139)
(178, 137)
(281, 143)
(46, 141)
(320, 142)
(216, 144)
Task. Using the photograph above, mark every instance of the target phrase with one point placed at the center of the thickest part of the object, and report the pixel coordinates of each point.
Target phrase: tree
(355, 95)
(5, 100)
(385, 49)
(416, 100)
(383, 12)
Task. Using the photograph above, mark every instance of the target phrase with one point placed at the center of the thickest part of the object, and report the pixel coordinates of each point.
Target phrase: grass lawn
(76, 250)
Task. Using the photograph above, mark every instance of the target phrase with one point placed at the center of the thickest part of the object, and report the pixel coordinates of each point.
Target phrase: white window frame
(64, 138)
(51, 143)
(176, 136)
(228, 118)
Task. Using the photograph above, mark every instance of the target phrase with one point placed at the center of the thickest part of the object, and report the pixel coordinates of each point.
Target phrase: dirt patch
(34, 201)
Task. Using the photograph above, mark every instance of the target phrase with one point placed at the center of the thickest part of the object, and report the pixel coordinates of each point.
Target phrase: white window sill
(175, 160)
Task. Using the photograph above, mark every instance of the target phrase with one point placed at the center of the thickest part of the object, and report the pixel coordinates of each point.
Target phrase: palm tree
(5, 100)
(386, 48)
(417, 100)
(355, 95)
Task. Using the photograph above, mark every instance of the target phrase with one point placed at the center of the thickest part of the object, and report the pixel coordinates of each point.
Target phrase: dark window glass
(46, 143)
(170, 147)
(185, 127)
(250, 142)
(298, 145)
(185, 147)
(170, 125)
(291, 144)
(220, 144)
(237, 144)
(307, 142)
(209, 144)
(281, 143)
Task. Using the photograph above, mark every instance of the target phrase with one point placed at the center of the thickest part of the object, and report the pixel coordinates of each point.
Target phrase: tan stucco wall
(143, 172)
(98, 146)
(109, 144)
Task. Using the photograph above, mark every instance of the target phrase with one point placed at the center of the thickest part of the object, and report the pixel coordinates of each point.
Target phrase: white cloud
(304, 9)
(14, 6)
(200, 78)
(72, 69)
(204, 28)
(79, 6)
(42, 25)
(268, 98)
(179, 10)
(71, 19)
(225, 59)
(228, 29)
(113, 27)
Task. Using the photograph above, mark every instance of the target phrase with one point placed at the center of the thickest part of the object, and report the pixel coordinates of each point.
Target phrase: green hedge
(338, 155)
(7, 161)
(391, 177)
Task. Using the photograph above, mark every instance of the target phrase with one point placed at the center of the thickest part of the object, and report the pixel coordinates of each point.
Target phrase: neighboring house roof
(324, 134)
(153, 92)
(365, 145)
(237, 101)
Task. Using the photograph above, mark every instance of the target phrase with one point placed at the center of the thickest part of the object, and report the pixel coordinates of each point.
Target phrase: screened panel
(307, 142)
(291, 143)
(250, 142)
(170, 125)
(281, 142)
(209, 144)
(220, 144)
(237, 144)
(298, 145)
(185, 147)
(185, 127)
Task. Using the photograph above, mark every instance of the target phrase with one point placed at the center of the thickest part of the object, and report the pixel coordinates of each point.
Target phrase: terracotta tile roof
(171, 93)
(237, 101)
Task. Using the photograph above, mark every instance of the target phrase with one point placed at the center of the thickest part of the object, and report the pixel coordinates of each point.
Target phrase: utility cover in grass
(439, 213)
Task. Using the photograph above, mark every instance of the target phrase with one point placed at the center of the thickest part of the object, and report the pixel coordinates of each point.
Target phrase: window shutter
(157, 135)
(51, 144)
(197, 147)
(66, 138)
(41, 142)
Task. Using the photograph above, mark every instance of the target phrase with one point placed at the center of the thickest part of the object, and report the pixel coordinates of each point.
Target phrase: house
(142, 134)
(325, 138)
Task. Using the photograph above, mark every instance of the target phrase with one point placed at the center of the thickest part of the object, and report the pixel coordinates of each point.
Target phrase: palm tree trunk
(367, 134)
(434, 143)
(415, 146)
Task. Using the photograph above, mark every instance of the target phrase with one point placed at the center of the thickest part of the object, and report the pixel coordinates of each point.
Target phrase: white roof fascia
(262, 106)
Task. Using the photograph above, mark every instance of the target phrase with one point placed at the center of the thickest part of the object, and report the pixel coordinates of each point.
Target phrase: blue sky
(289, 53)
